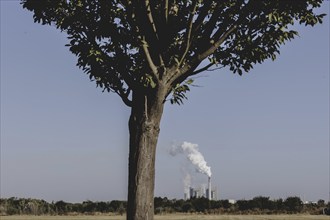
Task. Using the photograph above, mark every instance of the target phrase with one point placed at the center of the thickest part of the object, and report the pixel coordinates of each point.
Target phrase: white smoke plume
(192, 153)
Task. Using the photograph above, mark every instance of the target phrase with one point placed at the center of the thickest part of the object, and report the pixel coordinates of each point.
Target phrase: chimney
(210, 190)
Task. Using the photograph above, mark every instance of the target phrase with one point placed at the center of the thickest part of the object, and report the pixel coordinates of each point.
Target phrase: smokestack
(210, 191)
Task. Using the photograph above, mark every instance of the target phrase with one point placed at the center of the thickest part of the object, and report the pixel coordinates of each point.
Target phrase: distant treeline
(257, 205)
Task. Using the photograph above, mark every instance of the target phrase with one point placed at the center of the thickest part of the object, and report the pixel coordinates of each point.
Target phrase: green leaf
(189, 81)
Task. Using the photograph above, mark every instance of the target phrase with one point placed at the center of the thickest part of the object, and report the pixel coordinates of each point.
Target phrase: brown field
(176, 217)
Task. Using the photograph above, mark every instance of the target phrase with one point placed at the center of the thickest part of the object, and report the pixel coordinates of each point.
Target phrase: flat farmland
(175, 217)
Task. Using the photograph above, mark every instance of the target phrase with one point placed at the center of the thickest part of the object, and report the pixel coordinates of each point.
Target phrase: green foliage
(321, 202)
(163, 205)
(60, 207)
(200, 204)
(129, 46)
(179, 92)
(293, 204)
(263, 203)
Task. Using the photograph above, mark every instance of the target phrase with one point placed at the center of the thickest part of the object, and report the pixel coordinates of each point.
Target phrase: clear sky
(263, 133)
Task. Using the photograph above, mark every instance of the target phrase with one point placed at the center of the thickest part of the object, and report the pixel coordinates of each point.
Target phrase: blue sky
(263, 133)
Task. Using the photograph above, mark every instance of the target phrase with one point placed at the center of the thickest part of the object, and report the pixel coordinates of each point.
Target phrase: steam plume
(192, 153)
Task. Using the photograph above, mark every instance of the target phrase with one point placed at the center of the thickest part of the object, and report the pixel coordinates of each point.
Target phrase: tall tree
(147, 51)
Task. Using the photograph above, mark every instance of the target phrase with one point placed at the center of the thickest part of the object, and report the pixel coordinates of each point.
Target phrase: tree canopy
(124, 45)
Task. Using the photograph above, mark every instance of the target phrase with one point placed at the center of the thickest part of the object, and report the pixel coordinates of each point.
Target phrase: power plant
(195, 157)
(202, 191)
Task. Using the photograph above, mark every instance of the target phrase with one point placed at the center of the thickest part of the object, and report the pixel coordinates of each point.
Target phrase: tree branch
(152, 66)
(242, 15)
(124, 97)
(189, 31)
(210, 25)
(187, 70)
(203, 13)
(202, 69)
(150, 18)
(215, 45)
(156, 40)
(131, 17)
(139, 31)
(166, 11)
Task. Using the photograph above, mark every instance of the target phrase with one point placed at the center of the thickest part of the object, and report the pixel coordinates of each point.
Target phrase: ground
(176, 217)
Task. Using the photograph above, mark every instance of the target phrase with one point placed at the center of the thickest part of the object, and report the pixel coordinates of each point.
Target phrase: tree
(147, 52)
(293, 204)
(321, 203)
(188, 207)
(225, 204)
(262, 203)
(200, 204)
(61, 207)
(244, 205)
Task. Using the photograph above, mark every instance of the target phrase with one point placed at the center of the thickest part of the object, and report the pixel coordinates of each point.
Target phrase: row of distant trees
(257, 205)
(23, 206)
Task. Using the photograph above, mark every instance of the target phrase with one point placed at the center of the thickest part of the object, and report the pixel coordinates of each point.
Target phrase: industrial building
(202, 192)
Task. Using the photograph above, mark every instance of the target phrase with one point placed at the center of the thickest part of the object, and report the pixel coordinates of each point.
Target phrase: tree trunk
(144, 122)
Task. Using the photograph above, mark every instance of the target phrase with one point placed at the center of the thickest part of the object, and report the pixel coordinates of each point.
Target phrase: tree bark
(144, 123)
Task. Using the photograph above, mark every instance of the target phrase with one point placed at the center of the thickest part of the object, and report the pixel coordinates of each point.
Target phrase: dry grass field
(176, 217)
